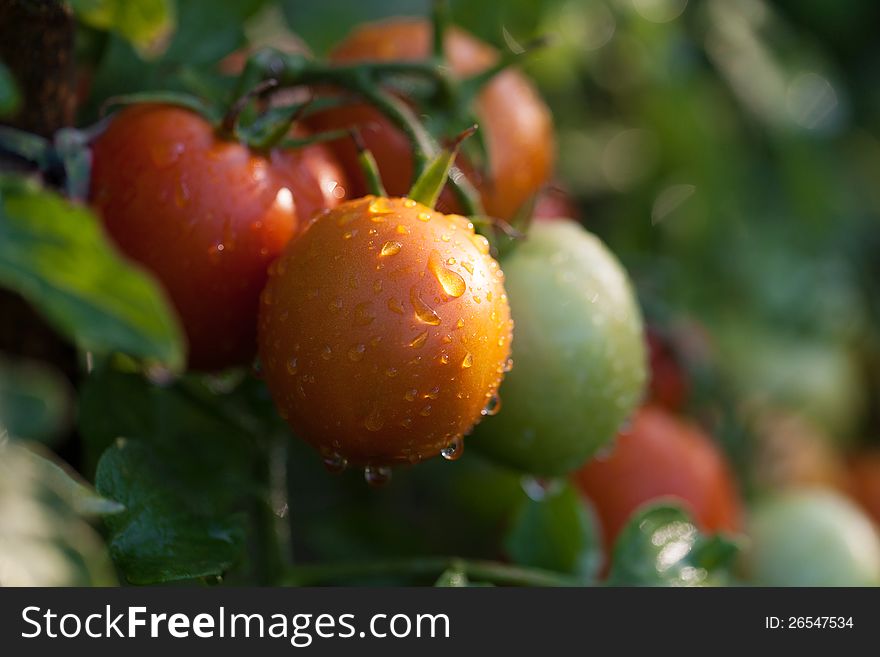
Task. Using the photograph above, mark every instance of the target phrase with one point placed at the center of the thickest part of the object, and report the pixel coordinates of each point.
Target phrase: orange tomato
(384, 332)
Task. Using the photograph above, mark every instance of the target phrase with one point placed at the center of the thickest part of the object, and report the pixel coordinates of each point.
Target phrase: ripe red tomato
(384, 332)
(516, 124)
(206, 216)
(668, 381)
(864, 482)
(659, 456)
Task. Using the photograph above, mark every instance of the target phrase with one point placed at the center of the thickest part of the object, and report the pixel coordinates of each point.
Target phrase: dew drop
(424, 312)
(391, 372)
(363, 315)
(390, 249)
(335, 306)
(356, 353)
(452, 283)
(378, 207)
(395, 306)
(347, 235)
(459, 323)
(469, 267)
(377, 285)
(481, 243)
(181, 194)
(377, 475)
(450, 261)
(327, 352)
(409, 203)
(402, 229)
(424, 216)
(411, 394)
(165, 154)
(468, 361)
(291, 366)
(426, 411)
(419, 340)
(374, 421)
(335, 463)
(493, 407)
(444, 358)
(453, 450)
(406, 422)
(508, 365)
(433, 393)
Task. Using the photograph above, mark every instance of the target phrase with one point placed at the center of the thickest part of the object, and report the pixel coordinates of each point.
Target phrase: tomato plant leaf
(147, 24)
(34, 399)
(55, 254)
(169, 530)
(44, 541)
(660, 546)
(556, 533)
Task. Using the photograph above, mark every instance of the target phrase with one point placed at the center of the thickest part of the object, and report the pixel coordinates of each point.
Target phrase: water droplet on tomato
(335, 463)
(327, 352)
(291, 366)
(164, 154)
(419, 340)
(453, 450)
(378, 207)
(468, 361)
(411, 394)
(452, 283)
(356, 353)
(390, 249)
(395, 306)
(493, 407)
(433, 393)
(374, 421)
(423, 311)
(377, 475)
(363, 314)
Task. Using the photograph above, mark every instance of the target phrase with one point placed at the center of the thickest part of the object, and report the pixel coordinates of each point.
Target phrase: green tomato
(812, 537)
(578, 353)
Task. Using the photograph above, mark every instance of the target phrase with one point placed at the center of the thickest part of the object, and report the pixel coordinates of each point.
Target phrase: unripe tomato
(384, 331)
(812, 537)
(579, 357)
(661, 456)
(206, 216)
(864, 482)
(515, 123)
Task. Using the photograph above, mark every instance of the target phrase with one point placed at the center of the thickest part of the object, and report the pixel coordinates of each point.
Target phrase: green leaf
(146, 23)
(34, 400)
(660, 546)
(10, 99)
(185, 471)
(556, 533)
(43, 539)
(54, 253)
(169, 530)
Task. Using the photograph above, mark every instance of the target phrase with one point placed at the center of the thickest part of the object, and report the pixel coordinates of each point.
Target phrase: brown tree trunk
(36, 45)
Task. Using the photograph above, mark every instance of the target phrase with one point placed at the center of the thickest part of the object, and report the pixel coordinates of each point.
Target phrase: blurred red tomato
(864, 481)
(669, 382)
(661, 456)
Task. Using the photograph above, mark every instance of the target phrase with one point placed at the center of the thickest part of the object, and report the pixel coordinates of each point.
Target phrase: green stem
(364, 80)
(486, 571)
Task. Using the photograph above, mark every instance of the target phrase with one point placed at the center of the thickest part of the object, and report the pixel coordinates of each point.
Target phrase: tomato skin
(668, 384)
(661, 456)
(515, 123)
(579, 355)
(206, 217)
(384, 331)
(812, 537)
